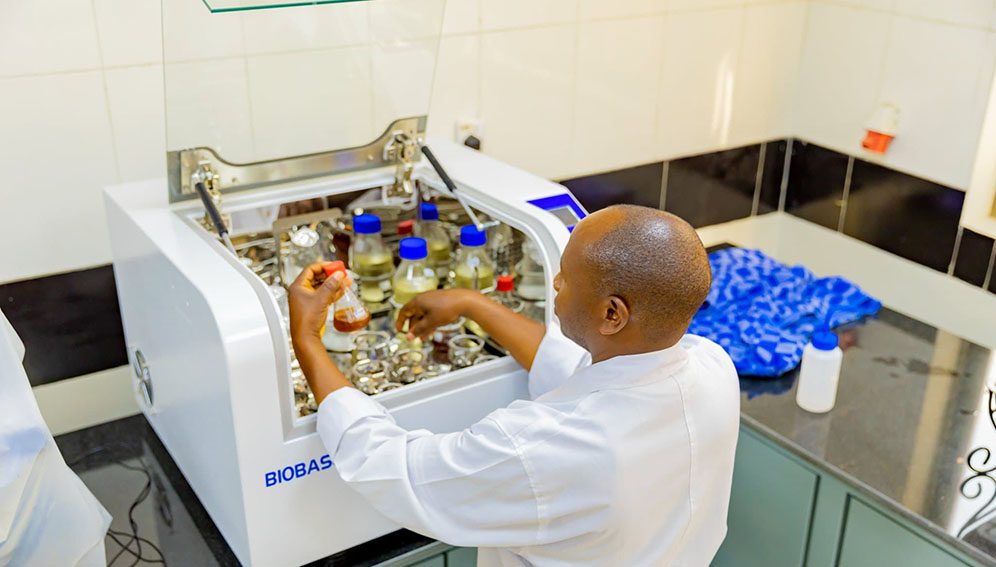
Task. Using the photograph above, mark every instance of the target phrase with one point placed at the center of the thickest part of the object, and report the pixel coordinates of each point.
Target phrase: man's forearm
(519, 334)
(323, 376)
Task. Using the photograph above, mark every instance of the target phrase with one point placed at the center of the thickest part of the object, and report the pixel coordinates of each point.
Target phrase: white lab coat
(47, 515)
(624, 462)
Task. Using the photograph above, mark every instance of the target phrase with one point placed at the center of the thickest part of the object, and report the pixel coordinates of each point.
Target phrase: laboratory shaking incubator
(202, 258)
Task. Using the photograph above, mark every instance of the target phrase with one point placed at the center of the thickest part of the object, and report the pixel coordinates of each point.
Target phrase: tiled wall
(563, 88)
(933, 59)
(900, 213)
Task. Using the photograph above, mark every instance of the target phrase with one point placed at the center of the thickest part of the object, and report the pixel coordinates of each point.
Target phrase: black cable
(133, 537)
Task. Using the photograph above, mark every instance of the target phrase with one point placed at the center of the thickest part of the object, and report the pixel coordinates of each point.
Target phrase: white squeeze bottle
(817, 391)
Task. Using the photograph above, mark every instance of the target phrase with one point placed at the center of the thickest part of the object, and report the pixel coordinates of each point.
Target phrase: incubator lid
(259, 92)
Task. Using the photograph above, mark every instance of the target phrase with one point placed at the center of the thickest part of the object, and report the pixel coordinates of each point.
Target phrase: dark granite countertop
(914, 420)
(112, 460)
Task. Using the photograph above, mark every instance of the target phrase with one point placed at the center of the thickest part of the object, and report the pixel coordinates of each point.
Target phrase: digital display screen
(566, 215)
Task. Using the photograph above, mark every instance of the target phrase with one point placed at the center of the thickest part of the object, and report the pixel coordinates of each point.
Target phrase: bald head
(653, 261)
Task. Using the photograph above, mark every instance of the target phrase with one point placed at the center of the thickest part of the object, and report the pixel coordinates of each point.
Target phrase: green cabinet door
(872, 539)
(770, 508)
(437, 561)
(462, 557)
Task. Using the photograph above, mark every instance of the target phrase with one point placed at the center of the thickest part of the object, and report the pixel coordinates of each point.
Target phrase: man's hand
(519, 335)
(434, 309)
(309, 298)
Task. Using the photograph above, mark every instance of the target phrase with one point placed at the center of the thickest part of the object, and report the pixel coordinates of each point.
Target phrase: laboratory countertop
(914, 419)
(116, 460)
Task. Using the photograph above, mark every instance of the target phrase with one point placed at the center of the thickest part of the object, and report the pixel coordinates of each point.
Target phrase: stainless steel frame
(235, 177)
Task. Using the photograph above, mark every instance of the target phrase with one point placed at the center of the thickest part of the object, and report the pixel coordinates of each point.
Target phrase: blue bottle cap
(824, 340)
(366, 224)
(428, 211)
(470, 236)
(413, 248)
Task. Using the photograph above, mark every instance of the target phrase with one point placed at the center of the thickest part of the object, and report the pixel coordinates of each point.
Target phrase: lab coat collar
(621, 372)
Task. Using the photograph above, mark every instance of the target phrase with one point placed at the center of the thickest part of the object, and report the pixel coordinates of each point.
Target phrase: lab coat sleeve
(556, 360)
(469, 488)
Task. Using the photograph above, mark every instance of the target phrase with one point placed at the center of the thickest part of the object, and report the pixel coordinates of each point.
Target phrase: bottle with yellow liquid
(437, 239)
(370, 259)
(413, 276)
(473, 268)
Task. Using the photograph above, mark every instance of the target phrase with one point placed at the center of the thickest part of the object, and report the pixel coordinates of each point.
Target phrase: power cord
(131, 538)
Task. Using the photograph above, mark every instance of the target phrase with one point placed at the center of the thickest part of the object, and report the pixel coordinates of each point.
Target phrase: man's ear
(615, 315)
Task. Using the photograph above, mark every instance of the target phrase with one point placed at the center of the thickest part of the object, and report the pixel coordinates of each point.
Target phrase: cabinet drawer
(871, 538)
(770, 508)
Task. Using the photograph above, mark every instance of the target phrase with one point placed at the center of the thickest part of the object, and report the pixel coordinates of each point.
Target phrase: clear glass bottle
(532, 282)
(438, 240)
(473, 268)
(349, 313)
(371, 259)
(413, 276)
(302, 251)
(503, 294)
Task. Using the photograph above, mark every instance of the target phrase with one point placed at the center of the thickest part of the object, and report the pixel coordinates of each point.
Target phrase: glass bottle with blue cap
(370, 259)
(413, 276)
(473, 267)
(436, 237)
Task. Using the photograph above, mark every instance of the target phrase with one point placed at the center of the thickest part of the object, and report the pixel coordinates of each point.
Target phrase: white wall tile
(507, 14)
(47, 37)
(306, 27)
(619, 63)
(56, 157)
(297, 111)
(402, 81)
(398, 21)
(840, 74)
(462, 16)
(207, 104)
(135, 97)
(456, 89)
(685, 5)
(767, 70)
(978, 13)
(699, 81)
(527, 81)
(191, 32)
(594, 9)
(881, 5)
(130, 31)
(939, 77)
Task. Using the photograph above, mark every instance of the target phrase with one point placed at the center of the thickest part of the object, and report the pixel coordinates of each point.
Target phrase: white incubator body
(206, 328)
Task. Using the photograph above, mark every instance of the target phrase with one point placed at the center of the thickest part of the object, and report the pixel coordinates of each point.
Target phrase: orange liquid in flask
(349, 319)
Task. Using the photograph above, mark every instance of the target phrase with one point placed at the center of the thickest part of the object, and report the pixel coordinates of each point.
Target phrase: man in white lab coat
(624, 455)
(47, 515)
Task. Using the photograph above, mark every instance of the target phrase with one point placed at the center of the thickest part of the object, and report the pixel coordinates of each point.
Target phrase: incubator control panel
(564, 206)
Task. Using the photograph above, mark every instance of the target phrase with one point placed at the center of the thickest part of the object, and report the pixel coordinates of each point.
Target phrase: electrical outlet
(467, 128)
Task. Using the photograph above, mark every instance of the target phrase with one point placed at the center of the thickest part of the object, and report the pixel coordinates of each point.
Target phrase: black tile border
(973, 260)
(70, 323)
(774, 178)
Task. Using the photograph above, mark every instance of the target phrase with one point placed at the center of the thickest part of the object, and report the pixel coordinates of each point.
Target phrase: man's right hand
(434, 309)
(520, 335)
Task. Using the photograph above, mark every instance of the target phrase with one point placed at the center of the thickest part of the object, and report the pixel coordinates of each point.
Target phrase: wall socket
(467, 128)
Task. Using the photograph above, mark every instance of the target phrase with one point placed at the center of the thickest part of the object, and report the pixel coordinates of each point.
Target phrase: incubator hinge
(402, 149)
(207, 175)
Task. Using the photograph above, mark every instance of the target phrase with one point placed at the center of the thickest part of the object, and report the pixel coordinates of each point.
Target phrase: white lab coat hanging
(47, 515)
